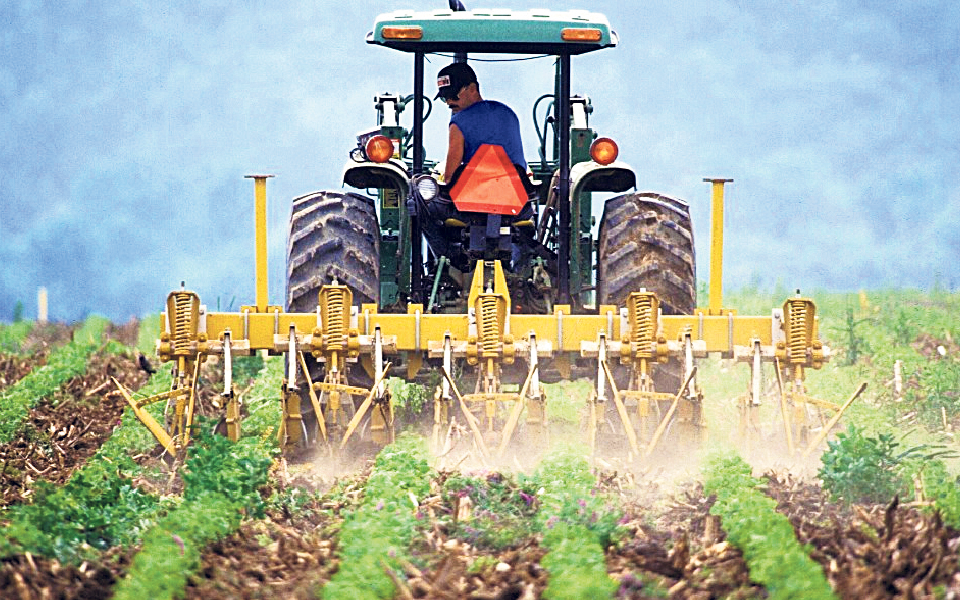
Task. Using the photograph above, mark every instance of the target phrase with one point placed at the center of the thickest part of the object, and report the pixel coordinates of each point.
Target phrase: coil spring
(797, 330)
(183, 305)
(334, 323)
(644, 317)
(488, 323)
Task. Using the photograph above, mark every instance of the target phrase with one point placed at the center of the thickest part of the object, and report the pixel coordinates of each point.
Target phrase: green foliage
(18, 312)
(565, 399)
(766, 538)
(63, 364)
(13, 334)
(938, 392)
(944, 490)
(171, 550)
(218, 466)
(247, 368)
(503, 510)
(263, 409)
(222, 483)
(855, 344)
(379, 533)
(861, 468)
(98, 508)
(147, 334)
(577, 524)
(409, 398)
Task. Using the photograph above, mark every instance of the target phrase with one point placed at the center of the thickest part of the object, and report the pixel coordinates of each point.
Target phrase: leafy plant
(379, 533)
(766, 538)
(409, 398)
(577, 524)
(98, 508)
(860, 468)
(13, 334)
(944, 490)
(63, 364)
(503, 513)
(171, 550)
(218, 466)
(222, 482)
(855, 343)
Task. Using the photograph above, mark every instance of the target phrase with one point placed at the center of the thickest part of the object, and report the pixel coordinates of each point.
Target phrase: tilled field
(667, 543)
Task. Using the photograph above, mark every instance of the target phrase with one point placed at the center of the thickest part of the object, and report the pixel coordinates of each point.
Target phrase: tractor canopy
(507, 31)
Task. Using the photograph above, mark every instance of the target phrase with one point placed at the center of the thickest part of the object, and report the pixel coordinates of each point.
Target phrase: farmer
(475, 121)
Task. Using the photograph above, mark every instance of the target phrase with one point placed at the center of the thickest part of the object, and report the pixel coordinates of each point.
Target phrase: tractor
(494, 281)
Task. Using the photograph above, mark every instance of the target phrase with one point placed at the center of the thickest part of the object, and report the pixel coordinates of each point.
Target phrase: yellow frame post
(260, 202)
(716, 246)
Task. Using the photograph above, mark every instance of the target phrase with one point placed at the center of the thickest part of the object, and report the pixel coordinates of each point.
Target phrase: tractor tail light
(379, 149)
(604, 151)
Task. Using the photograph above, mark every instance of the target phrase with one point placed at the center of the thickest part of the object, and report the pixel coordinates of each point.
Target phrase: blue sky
(127, 129)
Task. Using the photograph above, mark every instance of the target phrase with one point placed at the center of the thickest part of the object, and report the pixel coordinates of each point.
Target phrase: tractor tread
(333, 235)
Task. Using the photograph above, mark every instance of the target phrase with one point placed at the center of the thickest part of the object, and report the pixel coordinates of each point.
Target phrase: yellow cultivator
(624, 344)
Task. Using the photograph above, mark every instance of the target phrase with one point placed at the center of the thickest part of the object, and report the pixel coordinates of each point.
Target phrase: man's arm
(454, 153)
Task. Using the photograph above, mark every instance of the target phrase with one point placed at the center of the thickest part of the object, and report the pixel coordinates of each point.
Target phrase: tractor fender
(367, 174)
(593, 177)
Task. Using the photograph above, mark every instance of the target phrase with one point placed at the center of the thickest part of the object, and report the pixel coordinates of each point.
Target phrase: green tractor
(401, 240)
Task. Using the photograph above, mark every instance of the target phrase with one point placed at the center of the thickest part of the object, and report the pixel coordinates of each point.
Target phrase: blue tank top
(490, 122)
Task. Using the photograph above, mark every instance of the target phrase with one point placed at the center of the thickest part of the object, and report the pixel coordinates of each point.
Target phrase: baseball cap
(452, 78)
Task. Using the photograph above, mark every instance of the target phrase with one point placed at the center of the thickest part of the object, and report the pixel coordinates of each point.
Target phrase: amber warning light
(580, 35)
(604, 151)
(402, 33)
(379, 148)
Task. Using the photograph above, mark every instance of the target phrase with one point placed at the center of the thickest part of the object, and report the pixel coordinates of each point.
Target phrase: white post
(42, 305)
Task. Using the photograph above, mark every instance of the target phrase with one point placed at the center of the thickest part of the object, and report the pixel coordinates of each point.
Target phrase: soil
(674, 547)
(27, 577)
(62, 432)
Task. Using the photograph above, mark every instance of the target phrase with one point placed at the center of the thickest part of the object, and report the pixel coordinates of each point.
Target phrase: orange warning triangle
(489, 184)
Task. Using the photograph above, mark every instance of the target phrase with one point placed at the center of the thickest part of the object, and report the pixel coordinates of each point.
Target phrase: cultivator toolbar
(624, 344)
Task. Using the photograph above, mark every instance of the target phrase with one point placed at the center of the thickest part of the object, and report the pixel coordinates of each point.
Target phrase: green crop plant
(378, 535)
(98, 508)
(861, 468)
(263, 409)
(577, 524)
(222, 483)
(943, 489)
(503, 510)
(13, 334)
(769, 545)
(63, 364)
(408, 398)
(854, 342)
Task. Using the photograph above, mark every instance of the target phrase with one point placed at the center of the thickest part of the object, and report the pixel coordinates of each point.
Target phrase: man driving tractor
(475, 121)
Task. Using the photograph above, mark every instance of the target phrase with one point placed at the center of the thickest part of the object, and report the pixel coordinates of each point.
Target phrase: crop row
(13, 334)
(577, 524)
(63, 364)
(765, 537)
(377, 536)
(100, 507)
(222, 482)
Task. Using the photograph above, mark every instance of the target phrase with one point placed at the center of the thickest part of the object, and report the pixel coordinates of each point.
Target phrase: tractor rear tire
(646, 241)
(333, 236)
